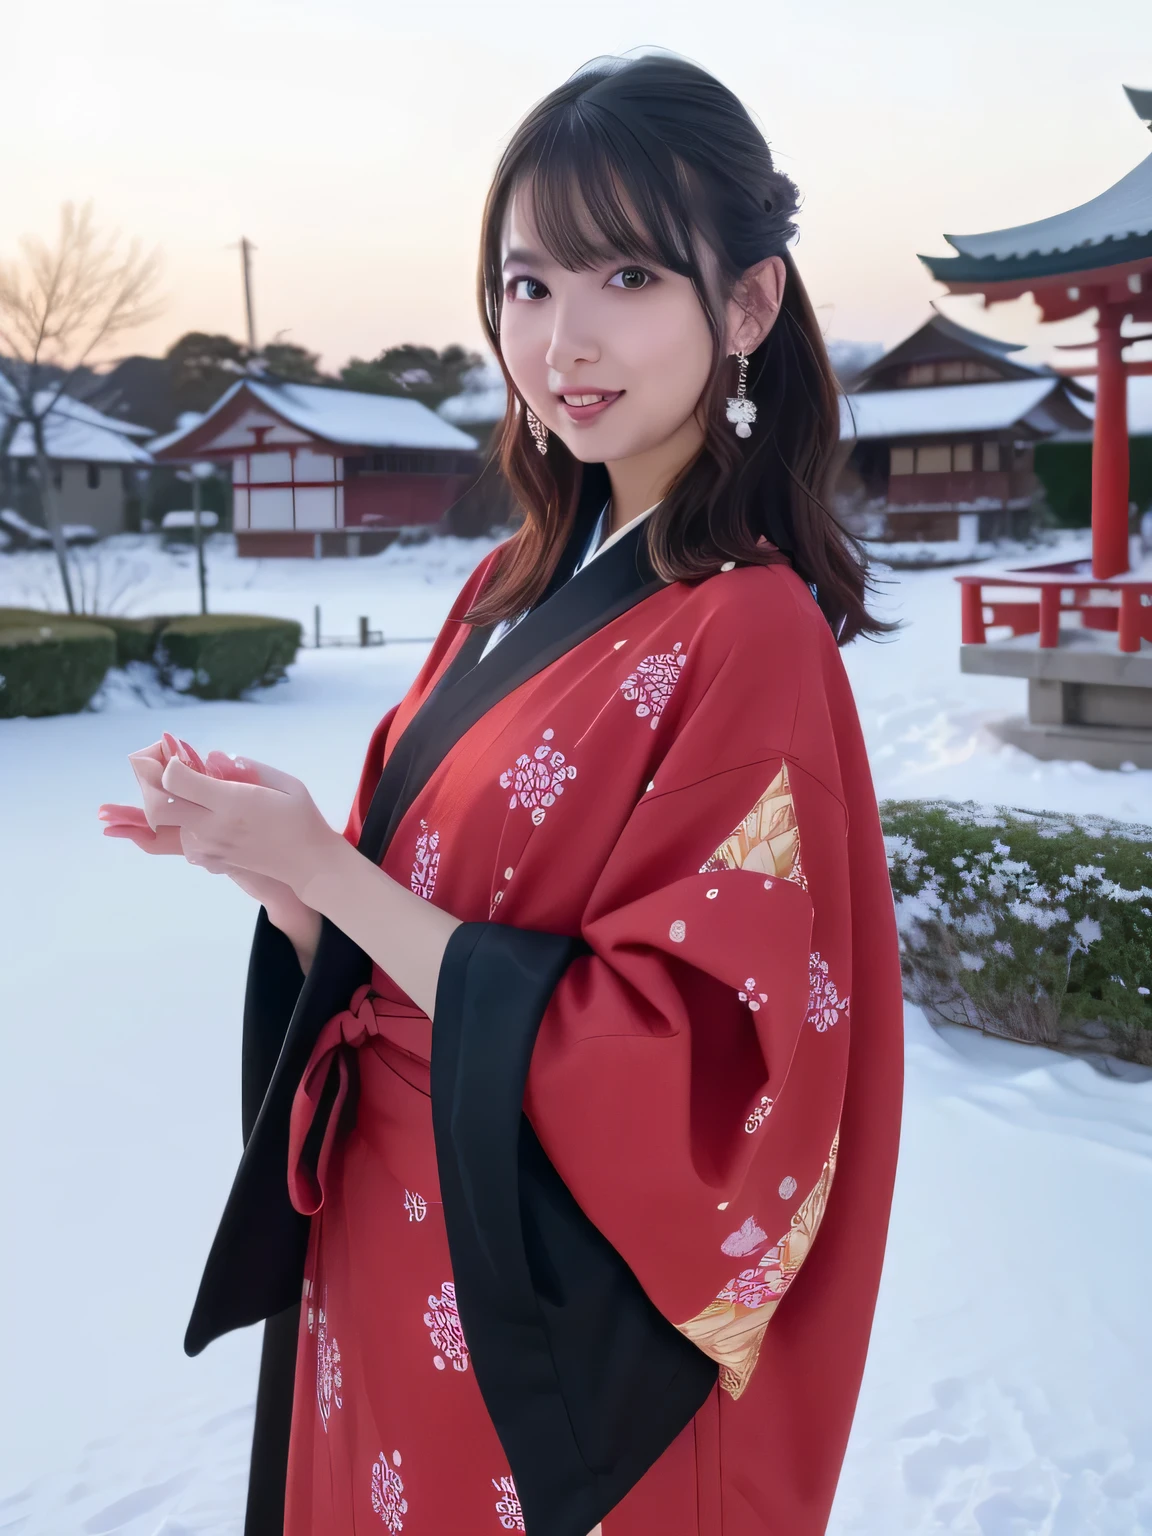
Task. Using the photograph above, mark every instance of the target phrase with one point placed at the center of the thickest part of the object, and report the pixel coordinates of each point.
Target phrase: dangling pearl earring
(741, 410)
(539, 431)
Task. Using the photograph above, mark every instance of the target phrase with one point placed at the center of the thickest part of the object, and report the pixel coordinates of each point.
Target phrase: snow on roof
(67, 438)
(941, 408)
(74, 431)
(474, 406)
(80, 411)
(1139, 409)
(343, 416)
(1123, 211)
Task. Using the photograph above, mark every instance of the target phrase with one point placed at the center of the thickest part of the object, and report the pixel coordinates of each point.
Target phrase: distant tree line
(198, 368)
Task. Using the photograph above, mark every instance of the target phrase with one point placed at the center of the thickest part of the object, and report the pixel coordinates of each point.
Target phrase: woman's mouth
(587, 404)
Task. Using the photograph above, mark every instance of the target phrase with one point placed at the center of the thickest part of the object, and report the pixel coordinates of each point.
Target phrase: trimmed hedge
(220, 656)
(1026, 924)
(214, 656)
(52, 669)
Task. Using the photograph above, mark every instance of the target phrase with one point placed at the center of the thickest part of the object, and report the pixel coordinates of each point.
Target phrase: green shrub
(51, 668)
(220, 656)
(1027, 924)
(135, 638)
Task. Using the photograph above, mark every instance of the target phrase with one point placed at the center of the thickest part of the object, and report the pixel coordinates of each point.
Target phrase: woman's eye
(632, 277)
(526, 288)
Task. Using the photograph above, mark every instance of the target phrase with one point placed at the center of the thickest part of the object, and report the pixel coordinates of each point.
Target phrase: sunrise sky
(353, 141)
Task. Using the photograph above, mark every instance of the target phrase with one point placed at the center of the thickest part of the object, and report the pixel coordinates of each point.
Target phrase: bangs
(595, 198)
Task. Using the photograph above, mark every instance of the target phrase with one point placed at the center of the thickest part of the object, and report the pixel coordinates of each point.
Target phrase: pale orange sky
(353, 141)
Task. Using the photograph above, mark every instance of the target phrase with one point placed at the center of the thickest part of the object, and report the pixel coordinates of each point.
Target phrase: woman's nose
(573, 340)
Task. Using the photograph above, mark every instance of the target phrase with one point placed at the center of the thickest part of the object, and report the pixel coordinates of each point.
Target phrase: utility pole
(246, 249)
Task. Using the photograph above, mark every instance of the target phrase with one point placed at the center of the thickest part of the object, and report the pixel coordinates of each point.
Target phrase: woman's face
(613, 359)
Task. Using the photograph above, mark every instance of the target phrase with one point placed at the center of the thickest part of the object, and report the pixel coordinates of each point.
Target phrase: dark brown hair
(652, 158)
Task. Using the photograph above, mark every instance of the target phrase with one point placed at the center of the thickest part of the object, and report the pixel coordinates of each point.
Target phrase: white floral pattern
(329, 1374)
(508, 1504)
(650, 686)
(415, 1205)
(825, 1005)
(758, 1115)
(443, 1323)
(745, 1240)
(388, 1499)
(426, 862)
(750, 995)
(537, 780)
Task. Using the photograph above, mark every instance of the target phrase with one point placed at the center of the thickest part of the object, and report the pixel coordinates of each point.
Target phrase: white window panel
(239, 471)
(902, 461)
(315, 507)
(270, 466)
(340, 506)
(240, 509)
(271, 509)
(962, 457)
(314, 466)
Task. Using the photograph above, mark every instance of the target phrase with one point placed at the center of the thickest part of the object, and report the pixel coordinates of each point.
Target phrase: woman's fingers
(264, 773)
(166, 841)
(239, 769)
(122, 815)
(225, 795)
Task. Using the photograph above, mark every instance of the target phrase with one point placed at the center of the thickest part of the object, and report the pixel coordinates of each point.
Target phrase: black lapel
(570, 611)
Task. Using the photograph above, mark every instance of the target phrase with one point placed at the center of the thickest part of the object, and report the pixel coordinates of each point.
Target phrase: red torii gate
(1096, 256)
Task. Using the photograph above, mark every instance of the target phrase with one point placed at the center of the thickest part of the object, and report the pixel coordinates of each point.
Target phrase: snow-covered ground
(1006, 1388)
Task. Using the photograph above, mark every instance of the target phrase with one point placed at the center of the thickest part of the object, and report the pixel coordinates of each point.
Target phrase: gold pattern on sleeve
(767, 841)
(731, 1329)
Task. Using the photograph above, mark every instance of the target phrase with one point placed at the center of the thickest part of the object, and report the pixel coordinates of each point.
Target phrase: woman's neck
(642, 480)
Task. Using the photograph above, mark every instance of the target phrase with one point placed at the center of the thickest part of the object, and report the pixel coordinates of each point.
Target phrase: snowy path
(1005, 1392)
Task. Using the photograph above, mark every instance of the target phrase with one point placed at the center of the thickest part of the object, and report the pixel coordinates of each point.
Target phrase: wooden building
(97, 462)
(937, 438)
(325, 471)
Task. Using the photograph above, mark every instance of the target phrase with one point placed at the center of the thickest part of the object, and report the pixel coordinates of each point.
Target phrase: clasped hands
(237, 817)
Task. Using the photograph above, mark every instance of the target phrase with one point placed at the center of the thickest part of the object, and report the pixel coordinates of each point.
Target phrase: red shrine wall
(397, 500)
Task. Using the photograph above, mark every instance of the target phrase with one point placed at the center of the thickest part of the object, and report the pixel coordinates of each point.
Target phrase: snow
(187, 519)
(942, 408)
(1139, 408)
(76, 432)
(342, 416)
(1123, 211)
(1005, 1393)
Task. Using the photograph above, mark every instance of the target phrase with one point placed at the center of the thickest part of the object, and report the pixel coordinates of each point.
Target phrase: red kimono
(602, 1241)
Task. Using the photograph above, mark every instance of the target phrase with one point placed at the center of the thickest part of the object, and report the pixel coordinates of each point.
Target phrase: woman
(581, 1047)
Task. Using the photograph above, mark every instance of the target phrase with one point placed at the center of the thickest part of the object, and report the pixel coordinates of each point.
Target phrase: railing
(365, 637)
(1122, 604)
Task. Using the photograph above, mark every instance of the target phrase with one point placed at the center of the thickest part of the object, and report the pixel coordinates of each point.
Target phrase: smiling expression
(613, 358)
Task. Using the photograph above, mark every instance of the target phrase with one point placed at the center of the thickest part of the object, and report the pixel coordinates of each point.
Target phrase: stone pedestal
(1087, 701)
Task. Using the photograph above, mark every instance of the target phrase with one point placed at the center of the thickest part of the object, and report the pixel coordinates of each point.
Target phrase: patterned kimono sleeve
(689, 1071)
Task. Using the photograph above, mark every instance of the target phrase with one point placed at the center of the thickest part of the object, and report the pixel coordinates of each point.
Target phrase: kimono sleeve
(683, 1063)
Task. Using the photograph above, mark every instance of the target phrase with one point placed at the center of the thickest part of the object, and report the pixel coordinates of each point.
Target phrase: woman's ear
(754, 305)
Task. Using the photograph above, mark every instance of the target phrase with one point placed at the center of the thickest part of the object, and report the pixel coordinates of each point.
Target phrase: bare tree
(59, 307)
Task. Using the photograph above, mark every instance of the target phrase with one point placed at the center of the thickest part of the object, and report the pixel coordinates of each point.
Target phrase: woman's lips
(593, 403)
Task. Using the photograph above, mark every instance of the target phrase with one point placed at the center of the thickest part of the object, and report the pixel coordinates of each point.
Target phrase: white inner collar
(595, 547)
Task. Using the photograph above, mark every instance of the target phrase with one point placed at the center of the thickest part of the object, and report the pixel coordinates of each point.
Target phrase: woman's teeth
(583, 399)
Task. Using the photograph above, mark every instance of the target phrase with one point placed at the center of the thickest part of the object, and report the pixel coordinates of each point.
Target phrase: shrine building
(1079, 631)
(325, 471)
(938, 437)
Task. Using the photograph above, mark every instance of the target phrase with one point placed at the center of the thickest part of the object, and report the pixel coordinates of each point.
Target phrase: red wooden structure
(1096, 256)
(319, 470)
